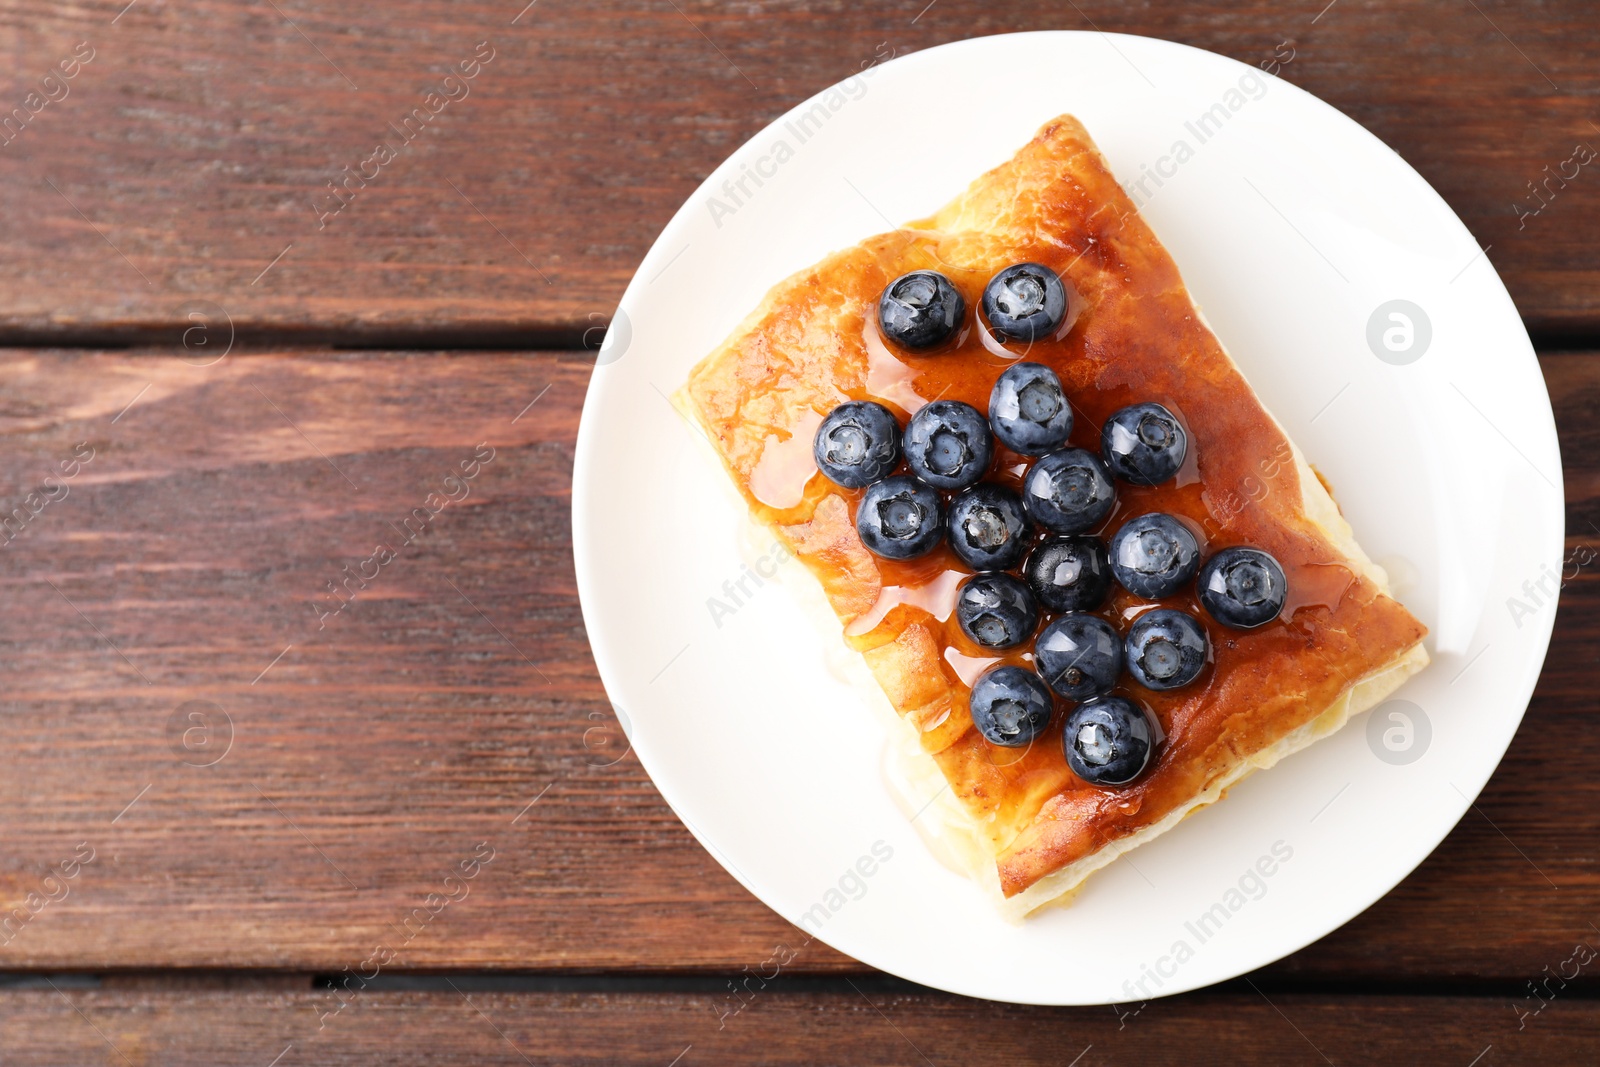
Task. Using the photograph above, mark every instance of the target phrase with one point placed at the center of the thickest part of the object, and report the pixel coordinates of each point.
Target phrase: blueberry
(988, 530)
(1069, 573)
(857, 444)
(1242, 588)
(1079, 656)
(1010, 706)
(1068, 491)
(1144, 444)
(899, 518)
(921, 309)
(947, 444)
(1166, 649)
(996, 610)
(1154, 555)
(1108, 741)
(1025, 302)
(1029, 411)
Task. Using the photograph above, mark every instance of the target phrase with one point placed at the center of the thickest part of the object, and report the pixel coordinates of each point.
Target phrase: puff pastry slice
(1019, 819)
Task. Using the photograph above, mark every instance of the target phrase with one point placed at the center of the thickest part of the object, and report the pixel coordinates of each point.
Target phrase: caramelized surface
(1131, 335)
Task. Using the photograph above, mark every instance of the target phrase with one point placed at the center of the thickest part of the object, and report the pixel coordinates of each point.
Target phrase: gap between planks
(712, 982)
(160, 341)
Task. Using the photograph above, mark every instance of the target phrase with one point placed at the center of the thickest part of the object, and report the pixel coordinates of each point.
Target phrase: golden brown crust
(1138, 337)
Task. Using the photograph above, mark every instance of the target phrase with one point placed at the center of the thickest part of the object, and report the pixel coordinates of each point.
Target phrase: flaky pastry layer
(1343, 641)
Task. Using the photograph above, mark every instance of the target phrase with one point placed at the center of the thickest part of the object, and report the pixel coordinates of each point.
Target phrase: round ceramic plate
(1360, 309)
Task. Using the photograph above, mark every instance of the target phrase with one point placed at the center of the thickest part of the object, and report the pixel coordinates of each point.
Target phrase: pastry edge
(958, 841)
(967, 848)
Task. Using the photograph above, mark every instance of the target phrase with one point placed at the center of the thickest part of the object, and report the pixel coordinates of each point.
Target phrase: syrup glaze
(1131, 335)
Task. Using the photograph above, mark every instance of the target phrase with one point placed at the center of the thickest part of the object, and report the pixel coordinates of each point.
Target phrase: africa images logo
(1251, 885)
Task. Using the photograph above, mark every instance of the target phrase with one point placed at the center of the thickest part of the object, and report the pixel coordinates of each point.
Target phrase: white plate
(1292, 226)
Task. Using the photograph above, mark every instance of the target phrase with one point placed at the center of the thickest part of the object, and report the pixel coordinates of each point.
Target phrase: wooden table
(237, 827)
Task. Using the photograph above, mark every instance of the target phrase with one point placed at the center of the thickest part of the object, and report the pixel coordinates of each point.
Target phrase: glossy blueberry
(1069, 573)
(921, 309)
(1154, 555)
(988, 529)
(1068, 491)
(899, 518)
(1242, 588)
(947, 444)
(1166, 649)
(1028, 409)
(1025, 302)
(857, 444)
(996, 610)
(1108, 741)
(1079, 656)
(1143, 444)
(1010, 706)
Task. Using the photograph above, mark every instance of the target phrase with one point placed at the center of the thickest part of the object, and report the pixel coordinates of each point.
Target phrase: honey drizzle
(922, 591)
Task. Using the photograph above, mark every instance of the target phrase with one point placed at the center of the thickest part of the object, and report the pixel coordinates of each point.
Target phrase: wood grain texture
(134, 1027)
(371, 757)
(196, 146)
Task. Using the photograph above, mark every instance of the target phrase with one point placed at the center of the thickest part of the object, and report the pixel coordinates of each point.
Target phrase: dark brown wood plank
(138, 1026)
(189, 153)
(371, 758)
